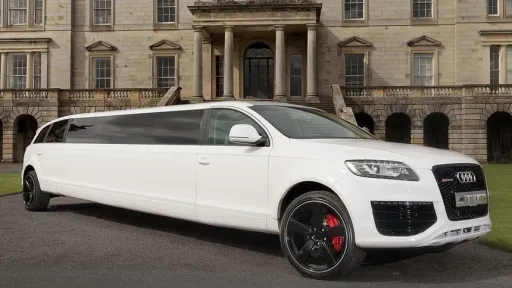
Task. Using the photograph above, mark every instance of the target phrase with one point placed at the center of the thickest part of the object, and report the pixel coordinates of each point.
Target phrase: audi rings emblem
(466, 177)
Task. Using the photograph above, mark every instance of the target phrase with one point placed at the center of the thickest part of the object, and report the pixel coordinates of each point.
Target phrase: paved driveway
(80, 244)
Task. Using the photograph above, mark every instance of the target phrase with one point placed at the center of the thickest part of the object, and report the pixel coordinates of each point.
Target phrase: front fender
(284, 174)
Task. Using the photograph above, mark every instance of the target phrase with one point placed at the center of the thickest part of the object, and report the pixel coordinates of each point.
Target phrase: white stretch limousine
(330, 189)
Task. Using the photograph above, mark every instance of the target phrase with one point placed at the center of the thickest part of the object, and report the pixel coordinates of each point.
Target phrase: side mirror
(245, 134)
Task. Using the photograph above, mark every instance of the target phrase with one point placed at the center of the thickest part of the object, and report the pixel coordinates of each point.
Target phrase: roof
(210, 104)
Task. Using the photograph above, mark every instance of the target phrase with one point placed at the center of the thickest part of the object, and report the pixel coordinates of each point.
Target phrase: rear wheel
(33, 198)
(317, 236)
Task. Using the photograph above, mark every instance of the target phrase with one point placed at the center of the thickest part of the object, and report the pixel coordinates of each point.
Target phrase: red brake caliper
(337, 241)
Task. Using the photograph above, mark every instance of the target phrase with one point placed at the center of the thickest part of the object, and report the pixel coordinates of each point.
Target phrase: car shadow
(466, 262)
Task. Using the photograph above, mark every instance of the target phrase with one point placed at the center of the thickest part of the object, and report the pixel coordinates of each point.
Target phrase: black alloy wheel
(33, 198)
(317, 236)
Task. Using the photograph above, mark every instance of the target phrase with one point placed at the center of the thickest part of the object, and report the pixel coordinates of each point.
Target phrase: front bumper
(421, 200)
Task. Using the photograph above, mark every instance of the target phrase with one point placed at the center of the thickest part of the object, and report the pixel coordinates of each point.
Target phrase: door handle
(204, 161)
(39, 153)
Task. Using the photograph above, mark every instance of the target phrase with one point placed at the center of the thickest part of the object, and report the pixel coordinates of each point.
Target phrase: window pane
(18, 71)
(222, 120)
(219, 75)
(492, 8)
(37, 70)
(177, 127)
(354, 9)
(422, 8)
(18, 12)
(40, 137)
(56, 133)
(307, 123)
(101, 70)
(423, 70)
(495, 64)
(102, 12)
(296, 75)
(165, 72)
(354, 70)
(166, 11)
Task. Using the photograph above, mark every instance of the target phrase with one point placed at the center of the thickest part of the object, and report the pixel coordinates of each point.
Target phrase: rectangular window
(492, 7)
(102, 12)
(38, 12)
(354, 9)
(56, 134)
(508, 8)
(165, 71)
(219, 75)
(422, 8)
(423, 69)
(296, 75)
(18, 10)
(101, 67)
(166, 11)
(354, 69)
(18, 71)
(37, 70)
(495, 65)
(159, 128)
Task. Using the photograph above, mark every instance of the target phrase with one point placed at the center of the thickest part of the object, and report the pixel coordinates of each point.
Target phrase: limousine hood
(416, 156)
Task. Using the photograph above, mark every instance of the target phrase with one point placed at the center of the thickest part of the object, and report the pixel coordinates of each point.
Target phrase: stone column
(197, 95)
(228, 62)
(30, 70)
(280, 62)
(44, 70)
(3, 71)
(312, 84)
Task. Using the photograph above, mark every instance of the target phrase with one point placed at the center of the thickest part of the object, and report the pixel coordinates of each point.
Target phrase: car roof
(183, 107)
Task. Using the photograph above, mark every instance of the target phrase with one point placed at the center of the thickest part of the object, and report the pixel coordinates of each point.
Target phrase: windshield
(307, 123)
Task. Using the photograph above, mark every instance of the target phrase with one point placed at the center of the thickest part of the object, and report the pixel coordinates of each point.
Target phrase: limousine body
(328, 188)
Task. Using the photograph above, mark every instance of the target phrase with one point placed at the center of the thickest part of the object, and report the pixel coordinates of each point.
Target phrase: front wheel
(33, 198)
(317, 236)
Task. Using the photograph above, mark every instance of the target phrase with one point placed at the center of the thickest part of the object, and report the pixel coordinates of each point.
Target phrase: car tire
(33, 198)
(299, 233)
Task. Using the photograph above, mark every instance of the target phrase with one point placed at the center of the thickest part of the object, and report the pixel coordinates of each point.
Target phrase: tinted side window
(221, 122)
(176, 127)
(56, 133)
(40, 137)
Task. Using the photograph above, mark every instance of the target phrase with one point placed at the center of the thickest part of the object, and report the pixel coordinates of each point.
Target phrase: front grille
(448, 184)
(394, 218)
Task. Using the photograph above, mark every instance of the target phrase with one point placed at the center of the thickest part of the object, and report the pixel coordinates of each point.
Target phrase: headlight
(382, 169)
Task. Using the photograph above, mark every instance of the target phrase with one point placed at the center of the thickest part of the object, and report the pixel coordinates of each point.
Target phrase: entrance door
(259, 71)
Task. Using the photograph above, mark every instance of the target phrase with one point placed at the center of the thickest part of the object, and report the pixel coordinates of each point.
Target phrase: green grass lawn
(499, 179)
(10, 183)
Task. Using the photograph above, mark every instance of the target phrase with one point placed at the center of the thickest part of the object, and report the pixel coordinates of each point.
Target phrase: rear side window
(176, 127)
(42, 134)
(56, 134)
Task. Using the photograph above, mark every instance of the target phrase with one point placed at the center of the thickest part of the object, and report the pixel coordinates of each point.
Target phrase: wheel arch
(297, 190)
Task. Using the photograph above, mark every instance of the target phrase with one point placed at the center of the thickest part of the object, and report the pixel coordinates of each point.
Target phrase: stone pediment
(165, 45)
(354, 42)
(423, 41)
(100, 46)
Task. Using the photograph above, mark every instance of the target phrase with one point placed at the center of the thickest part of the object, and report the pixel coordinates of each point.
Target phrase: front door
(231, 178)
(259, 71)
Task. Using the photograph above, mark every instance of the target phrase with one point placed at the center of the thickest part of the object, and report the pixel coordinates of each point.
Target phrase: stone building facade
(427, 72)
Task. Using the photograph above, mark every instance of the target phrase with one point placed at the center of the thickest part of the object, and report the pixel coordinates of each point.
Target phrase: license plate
(473, 198)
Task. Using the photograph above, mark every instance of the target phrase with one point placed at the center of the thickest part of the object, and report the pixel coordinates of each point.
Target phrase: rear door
(50, 153)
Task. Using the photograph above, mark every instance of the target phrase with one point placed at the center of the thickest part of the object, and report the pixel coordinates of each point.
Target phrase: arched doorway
(259, 71)
(365, 120)
(499, 137)
(435, 130)
(25, 127)
(398, 128)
